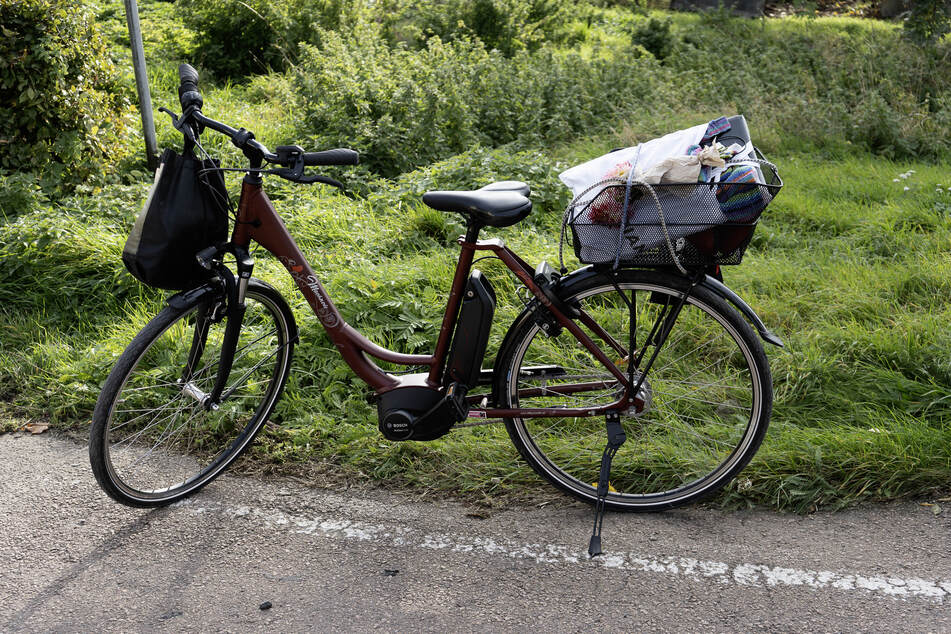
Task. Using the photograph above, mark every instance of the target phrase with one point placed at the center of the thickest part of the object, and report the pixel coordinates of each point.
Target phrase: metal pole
(142, 83)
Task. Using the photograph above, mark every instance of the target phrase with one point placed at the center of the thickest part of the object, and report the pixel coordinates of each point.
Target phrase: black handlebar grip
(340, 156)
(188, 94)
(187, 73)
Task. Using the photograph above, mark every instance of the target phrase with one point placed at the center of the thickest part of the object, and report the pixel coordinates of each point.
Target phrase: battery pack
(472, 331)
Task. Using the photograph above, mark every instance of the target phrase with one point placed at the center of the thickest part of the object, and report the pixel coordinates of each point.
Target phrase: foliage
(928, 20)
(20, 193)
(826, 86)
(62, 108)
(240, 37)
(655, 36)
(505, 25)
(838, 88)
(404, 108)
(164, 34)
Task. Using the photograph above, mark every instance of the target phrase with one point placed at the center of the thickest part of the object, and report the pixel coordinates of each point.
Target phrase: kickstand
(616, 438)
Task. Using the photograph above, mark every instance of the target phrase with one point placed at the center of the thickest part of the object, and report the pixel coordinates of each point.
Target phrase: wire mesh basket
(682, 224)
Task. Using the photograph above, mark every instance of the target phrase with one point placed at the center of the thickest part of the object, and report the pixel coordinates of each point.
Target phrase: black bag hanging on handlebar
(185, 212)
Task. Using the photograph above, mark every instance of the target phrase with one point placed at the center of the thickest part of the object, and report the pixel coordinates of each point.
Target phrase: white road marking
(744, 574)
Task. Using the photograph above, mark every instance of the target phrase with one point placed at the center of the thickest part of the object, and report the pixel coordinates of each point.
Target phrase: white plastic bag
(640, 157)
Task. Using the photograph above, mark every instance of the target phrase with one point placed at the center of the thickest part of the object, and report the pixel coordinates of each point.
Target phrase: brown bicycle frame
(258, 221)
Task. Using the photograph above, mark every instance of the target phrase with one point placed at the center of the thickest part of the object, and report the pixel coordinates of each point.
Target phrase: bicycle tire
(691, 440)
(179, 443)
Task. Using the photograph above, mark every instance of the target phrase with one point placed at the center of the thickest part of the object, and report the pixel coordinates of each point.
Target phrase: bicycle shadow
(19, 620)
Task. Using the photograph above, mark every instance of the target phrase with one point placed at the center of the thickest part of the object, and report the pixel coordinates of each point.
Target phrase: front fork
(210, 312)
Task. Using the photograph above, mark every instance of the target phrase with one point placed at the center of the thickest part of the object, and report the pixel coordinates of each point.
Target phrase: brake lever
(171, 114)
(180, 124)
(322, 179)
(296, 175)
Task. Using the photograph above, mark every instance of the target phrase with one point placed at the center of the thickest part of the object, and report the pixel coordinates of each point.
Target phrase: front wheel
(708, 395)
(154, 437)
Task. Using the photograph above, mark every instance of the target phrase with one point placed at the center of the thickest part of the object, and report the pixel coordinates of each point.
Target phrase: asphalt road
(73, 560)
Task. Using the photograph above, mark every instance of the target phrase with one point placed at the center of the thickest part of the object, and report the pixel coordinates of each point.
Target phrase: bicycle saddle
(497, 205)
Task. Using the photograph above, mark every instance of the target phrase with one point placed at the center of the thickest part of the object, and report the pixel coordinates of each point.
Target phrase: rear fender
(721, 289)
(711, 284)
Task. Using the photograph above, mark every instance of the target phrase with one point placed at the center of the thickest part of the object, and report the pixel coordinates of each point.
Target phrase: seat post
(456, 291)
(472, 231)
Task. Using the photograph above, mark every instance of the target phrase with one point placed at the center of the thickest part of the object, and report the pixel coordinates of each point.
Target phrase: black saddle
(497, 205)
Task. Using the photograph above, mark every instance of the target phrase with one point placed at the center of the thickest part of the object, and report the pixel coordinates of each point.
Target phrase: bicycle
(597, 357)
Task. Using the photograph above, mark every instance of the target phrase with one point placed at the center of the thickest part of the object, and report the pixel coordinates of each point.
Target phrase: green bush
(821, 84)
(828, 87)
(928, 21)
(402, 109)
(62, 108)
(654, 35)
(20, 194)
(241, 37)
(504, 25)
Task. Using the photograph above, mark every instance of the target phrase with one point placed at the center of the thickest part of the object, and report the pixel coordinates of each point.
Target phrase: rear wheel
(708, 395)
(153, 439)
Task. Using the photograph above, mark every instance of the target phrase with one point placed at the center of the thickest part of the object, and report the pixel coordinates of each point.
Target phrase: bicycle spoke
(145, 413)
(155, 421)
(698, 399)
(234, 386)
(161, 440)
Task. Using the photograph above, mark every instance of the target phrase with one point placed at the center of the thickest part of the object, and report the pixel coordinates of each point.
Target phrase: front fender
(186, 299)
(215, 288)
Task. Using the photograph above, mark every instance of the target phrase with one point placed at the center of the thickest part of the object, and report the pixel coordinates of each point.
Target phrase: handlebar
(288, 156)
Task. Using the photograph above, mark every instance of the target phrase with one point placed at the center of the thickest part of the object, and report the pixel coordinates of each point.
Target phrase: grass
(863, 403)
(848, 266)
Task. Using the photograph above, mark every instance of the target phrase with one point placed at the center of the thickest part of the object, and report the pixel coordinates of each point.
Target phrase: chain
(488, 421)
